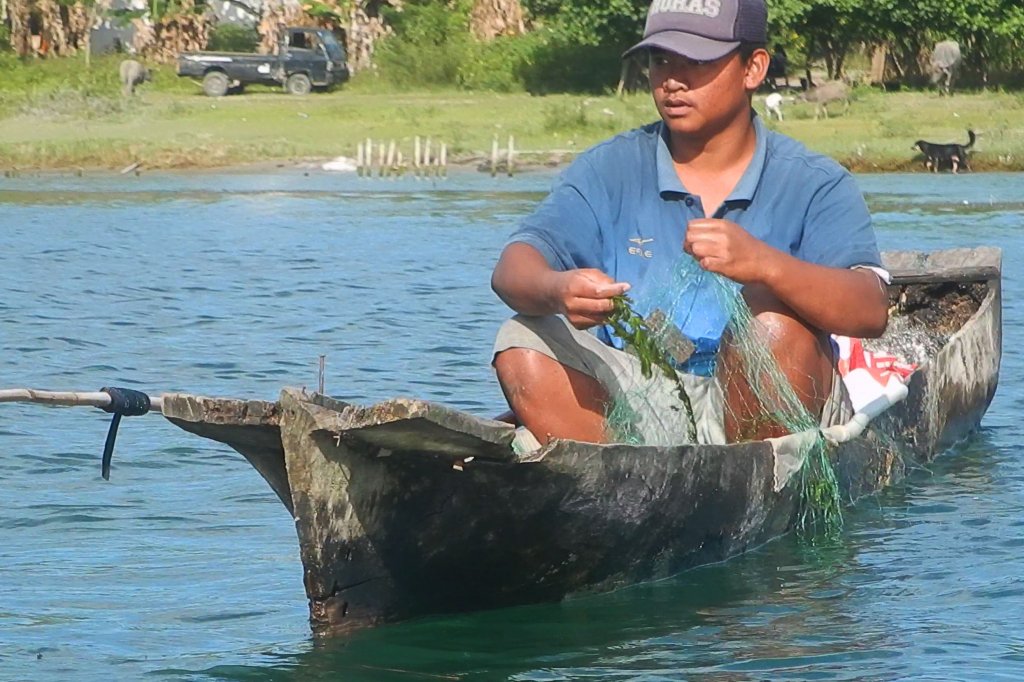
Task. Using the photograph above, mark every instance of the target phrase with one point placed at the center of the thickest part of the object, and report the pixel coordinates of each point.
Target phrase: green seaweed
(634, 331)
(821, 507)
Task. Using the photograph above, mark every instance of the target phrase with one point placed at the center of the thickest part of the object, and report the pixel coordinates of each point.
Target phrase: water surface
(184, 566)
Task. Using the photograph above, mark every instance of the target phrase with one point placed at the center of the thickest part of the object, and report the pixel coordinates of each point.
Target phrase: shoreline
(169, 131)
(475, 164)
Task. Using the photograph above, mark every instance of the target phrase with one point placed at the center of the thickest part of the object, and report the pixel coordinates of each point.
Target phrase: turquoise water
(184, 566)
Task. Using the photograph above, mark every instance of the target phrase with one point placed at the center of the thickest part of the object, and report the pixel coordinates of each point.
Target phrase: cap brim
(687, 44)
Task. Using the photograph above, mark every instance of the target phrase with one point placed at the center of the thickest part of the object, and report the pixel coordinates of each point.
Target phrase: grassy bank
(60, 115)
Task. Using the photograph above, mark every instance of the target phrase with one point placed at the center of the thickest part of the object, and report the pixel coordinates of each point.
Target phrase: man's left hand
(724, 247)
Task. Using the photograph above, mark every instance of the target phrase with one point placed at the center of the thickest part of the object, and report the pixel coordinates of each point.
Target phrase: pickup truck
(306, 58)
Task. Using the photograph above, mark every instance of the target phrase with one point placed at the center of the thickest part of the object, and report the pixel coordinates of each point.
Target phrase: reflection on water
(185, 566)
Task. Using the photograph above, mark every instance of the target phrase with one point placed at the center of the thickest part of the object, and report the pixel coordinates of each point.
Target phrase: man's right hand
(524, 280)
(584, 296)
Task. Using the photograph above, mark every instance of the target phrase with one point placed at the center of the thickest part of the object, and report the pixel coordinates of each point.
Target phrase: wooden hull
(408, 508)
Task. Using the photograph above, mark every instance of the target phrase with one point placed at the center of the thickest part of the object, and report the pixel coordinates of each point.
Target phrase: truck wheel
(298, 84)
(215, 84)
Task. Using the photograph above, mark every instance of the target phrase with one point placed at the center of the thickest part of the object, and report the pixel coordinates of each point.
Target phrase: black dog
(954, 155)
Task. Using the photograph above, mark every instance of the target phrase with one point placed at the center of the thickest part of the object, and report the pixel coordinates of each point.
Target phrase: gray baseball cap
(703, 29)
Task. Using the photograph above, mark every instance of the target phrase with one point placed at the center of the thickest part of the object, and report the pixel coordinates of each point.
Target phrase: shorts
(655, 409)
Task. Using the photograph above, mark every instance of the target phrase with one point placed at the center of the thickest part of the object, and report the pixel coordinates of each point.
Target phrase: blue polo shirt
(621, 208)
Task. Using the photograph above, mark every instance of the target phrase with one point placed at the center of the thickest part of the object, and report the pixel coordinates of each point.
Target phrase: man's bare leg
(550, 399)
(804, 355)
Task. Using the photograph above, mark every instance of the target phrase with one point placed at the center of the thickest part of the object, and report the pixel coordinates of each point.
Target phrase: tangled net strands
(639, 336)
(650, 340)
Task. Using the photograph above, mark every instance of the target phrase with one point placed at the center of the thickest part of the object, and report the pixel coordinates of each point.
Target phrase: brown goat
(826, 93)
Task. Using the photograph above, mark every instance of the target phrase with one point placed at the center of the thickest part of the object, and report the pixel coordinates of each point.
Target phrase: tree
(823, 29)
(988, 30)
(610, 23)
(492, 18)
(18, 13)
(177, 26)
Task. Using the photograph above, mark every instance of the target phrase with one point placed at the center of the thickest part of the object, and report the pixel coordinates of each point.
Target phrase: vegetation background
(465, 71)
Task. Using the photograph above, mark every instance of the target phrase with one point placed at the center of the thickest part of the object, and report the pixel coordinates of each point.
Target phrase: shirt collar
(668, 180)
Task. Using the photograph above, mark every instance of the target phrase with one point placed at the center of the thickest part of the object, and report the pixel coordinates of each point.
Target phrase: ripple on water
(185, 565)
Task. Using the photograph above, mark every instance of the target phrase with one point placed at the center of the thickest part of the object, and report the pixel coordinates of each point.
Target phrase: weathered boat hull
(408, 508)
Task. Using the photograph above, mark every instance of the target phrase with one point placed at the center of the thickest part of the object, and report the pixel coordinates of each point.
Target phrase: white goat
(773, 105)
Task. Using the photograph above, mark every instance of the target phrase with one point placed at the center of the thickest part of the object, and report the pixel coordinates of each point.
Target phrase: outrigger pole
(121, 402)
(99, 398)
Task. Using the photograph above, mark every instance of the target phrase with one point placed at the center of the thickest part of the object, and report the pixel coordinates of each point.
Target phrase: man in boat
(708, 182)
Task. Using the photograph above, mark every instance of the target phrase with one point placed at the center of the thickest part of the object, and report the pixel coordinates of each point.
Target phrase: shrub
(499, 65)
(430, 45)
(560, 66)
(233, 38)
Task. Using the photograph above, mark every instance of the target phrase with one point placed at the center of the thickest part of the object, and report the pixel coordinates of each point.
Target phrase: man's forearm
(521, 278)
(835, 300)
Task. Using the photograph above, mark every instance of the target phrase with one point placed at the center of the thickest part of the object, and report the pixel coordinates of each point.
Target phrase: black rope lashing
(124, 402)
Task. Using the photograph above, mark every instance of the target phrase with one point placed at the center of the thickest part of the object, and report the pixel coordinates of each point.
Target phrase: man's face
(699, 97)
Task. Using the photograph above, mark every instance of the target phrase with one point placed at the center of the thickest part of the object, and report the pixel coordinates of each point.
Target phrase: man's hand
(585, 296)
(524, 280)
(836, 300)
(723, 247)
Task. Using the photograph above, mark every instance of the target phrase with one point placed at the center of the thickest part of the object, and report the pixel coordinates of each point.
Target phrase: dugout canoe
(408, 508)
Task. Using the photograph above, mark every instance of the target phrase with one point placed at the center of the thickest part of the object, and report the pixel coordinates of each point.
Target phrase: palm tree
(179, 27)
(52, 29)
(18, 11)
(492, 18)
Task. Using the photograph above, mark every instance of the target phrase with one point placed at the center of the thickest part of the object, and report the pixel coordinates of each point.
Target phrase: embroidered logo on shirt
(639, 249)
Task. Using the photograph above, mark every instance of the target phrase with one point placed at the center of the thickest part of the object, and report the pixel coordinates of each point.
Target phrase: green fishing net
(659, 346)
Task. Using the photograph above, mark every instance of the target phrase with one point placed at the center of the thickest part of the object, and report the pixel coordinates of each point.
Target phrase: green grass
(878, 131)
(58, 114)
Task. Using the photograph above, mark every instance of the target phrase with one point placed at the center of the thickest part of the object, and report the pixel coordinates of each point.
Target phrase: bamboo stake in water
(511, 153)
(444, 160)
(360, 160)
(416, 158)
(320, 382)
(494, 157)
(391, 159)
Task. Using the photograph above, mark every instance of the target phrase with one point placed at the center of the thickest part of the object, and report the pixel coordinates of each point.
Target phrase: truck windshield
(334, 50)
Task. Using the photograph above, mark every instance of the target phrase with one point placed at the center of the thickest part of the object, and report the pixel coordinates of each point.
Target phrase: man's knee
(803, 352)
(778, 321)
(549, 397)
(788, 334)
(516, 366)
